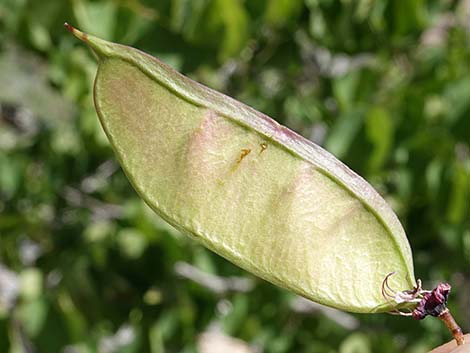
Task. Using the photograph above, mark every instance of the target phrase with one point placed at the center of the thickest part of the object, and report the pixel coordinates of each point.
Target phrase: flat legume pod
(251, 190)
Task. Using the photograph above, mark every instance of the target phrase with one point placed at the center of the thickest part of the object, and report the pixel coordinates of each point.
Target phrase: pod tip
(79, 34)
(69, 27)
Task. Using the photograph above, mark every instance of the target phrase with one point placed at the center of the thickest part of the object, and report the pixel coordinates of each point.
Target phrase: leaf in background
(187, 16)
(225, 21)
(458, 208)
(74, 320)
(131, 243)
(96, 16)
(345, 90)
(249, 189)
(182, 12)
(34, 314)
(40, 36)
(280, 12)
(379, 130)
(457, 98)
(343, 133)
(155, 339)
(11, 175)
(355, 343)
(235, 25)
(434, 173)
(34, 308)
(41, 21)
(408, 15)
(11, 13)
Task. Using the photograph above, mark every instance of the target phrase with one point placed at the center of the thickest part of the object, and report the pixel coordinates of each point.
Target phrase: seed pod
(251, 190)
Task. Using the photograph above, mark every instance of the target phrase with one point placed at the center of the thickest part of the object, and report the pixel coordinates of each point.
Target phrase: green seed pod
(249, 189)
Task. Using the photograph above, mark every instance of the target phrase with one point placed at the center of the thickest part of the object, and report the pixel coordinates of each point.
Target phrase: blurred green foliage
(86, 267)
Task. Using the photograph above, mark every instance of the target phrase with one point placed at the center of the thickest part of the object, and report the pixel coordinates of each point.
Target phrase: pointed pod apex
(100, 47)
(69, 27)
(79, 34)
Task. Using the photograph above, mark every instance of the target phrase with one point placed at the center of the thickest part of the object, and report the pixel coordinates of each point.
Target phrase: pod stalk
(453, 327)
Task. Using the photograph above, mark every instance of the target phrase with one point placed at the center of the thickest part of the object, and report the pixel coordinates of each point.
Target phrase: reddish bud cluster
(433, 303)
